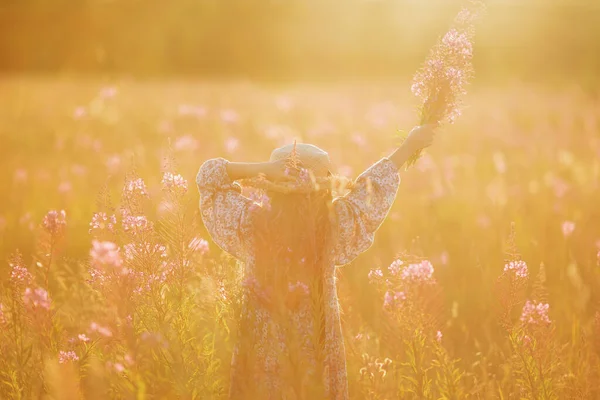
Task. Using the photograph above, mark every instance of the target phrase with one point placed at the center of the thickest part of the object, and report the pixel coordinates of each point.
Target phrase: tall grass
(482, 283)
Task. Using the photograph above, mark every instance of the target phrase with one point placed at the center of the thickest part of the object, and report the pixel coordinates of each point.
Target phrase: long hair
(293, 238)
(293, 241)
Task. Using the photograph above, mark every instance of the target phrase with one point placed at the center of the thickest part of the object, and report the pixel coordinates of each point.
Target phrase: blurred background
(294, 39)
(95, 92)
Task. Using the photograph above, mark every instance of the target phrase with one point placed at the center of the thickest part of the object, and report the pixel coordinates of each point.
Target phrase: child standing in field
(290, 343)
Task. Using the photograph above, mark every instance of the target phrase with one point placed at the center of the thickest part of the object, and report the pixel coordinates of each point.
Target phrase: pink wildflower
(79, 112)
(399, 296)
(128, 359)
(458, 43)
(231, 144)
(229, 116)
(79, 170)
(67, 356)
(535, 313)
(113, 163)
(36, 298)
(484, 221)
(105, 254)
(222, 292)
(55, 222)
(499, 162)
(97, 277)
(395, 267)
(108, 92)
(518, 267)
(135, 249)
(438, 336)
(359, 140)
(465, 17)
(199, 246)
(104, 331)
(135, 187)
(20, 276)
(388, 299)
(394, 299)
(261, 199)
(102, 222)
(147, 281)
(186, 142)
(191, 110)
(442, 79)
(20, 175)
(153, 338)
(560, 187)
(65, 187)
(304, 175)
(374, 274)
(119, 367)
(174, 183)
(284, 103)
(136, 225)
(444, 258)
(83, 337)
(567, 228)
(132, 250)
(418, 273)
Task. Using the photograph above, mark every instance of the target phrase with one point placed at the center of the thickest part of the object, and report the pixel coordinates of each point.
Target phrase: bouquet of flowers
(442, 79)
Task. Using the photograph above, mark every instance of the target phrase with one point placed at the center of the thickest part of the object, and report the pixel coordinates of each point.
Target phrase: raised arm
(225, 212)
(419, 138)
(360, 213)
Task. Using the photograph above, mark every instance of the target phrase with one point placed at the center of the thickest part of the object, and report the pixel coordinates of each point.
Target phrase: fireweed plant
(535, 356)
(154, 311)
(126, 299)
(148, 312)
(441, 81)
(418, 365)
(414, 362)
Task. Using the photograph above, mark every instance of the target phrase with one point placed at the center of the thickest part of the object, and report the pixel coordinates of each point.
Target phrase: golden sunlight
(300, 199)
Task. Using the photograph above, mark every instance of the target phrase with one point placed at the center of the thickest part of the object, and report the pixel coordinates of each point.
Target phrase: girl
(290, 342)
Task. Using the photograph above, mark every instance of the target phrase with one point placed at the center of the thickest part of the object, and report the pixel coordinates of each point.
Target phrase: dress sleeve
(360, 212)
(225, 212)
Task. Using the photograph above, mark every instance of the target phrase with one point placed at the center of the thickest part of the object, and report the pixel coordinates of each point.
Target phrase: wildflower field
(483, 282)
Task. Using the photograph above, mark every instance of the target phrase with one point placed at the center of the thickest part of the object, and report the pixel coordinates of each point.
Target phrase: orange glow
(481, 281)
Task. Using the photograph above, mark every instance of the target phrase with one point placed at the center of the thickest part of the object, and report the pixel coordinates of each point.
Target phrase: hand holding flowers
(442, 80)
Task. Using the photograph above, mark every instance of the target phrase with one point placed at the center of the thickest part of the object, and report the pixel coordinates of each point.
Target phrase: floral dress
(227, 215)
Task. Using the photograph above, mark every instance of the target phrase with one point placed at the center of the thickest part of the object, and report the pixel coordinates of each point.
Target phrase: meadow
(483, 281)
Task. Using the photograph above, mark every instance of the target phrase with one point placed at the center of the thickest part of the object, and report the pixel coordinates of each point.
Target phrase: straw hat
(316, 176)
(310, 157)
